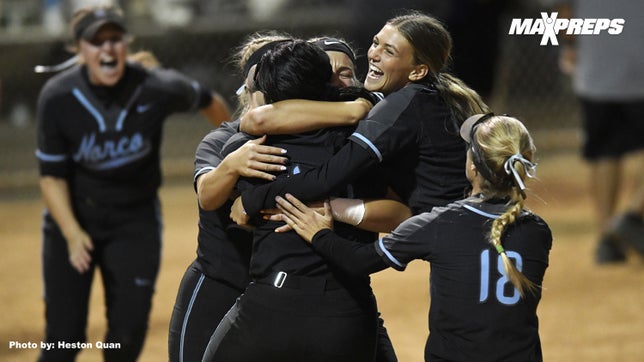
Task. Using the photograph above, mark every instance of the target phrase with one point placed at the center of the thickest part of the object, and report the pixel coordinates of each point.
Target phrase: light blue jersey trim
(50, 158)
(99, 118)
(381, 245)
(119, 122)
(482, 213)
(371, 145)
(187, 315)
(203, 171)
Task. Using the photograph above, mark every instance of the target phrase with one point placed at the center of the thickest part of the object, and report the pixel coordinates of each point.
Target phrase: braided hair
(502, 151)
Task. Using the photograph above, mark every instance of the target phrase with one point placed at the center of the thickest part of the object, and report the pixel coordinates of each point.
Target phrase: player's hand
(256, 160)
(303, 219)
(80, 246)
(275, 215)
(238, 214)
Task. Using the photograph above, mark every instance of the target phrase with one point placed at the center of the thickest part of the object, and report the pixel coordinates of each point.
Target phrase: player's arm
(311, 185)
(188, 95)
(378, 215)
(217, 111)
(252, 159)
(315, 226)
(298, 115)
(56, 195)
(381, 215)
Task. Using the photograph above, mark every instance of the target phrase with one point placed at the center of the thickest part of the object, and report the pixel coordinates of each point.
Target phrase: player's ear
(419, 72)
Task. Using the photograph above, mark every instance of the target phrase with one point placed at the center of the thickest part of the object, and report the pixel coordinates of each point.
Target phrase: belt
(284, 280)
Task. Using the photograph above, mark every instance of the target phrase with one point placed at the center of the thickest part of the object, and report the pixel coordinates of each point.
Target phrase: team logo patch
(142, 108)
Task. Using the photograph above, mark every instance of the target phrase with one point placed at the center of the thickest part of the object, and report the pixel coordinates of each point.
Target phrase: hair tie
(499, 249)
(530, 170)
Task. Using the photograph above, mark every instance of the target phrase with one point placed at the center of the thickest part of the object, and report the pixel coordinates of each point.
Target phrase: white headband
(530, 170)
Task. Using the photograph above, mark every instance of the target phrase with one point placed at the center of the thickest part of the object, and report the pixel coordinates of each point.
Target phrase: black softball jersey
(107, 140)
(476, 314)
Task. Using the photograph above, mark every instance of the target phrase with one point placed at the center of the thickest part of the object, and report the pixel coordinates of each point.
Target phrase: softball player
(301, 116)
(98, 139)
(488, 255)
(219, 274)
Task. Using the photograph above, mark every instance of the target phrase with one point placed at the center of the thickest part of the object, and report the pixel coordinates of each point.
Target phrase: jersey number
(505, 292)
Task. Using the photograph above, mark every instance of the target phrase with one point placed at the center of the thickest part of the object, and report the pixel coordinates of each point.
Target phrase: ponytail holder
(530, 170)
(499, 249)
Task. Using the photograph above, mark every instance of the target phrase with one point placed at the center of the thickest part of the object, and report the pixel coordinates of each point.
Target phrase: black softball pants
(127, 249)
(291, 324)
(201, 304)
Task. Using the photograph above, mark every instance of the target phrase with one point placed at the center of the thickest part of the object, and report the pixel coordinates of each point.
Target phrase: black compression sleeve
(314, 184)
(353, 257)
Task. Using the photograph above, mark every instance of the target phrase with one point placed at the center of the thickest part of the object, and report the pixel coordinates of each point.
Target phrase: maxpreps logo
(550, 26)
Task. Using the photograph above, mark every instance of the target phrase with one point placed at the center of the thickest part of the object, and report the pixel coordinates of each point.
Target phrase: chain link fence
(198, 38)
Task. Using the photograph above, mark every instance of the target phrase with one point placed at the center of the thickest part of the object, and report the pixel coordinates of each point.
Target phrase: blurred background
(515, 74)
(588, 313)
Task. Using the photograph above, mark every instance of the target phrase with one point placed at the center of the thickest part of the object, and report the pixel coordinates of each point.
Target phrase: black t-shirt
(475, 314)
(410, 132)
(223, 250)
(105, 140)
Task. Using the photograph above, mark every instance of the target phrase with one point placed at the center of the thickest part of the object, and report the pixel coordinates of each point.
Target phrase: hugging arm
(384, 215)
(353, 257)
(314, 184)
(252, 159)
(315, 226)
(299, 116)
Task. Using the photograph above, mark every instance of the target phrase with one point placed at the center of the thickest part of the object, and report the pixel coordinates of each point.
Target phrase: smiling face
(391, 62)
(105, 55)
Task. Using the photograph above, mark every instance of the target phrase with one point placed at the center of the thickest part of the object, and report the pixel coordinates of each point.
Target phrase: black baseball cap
(90, 20)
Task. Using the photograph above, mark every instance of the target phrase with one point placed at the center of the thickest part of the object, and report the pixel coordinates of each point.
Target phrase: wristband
(348, 211)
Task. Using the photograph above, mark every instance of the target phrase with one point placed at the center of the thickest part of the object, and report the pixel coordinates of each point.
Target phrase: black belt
(284, 280)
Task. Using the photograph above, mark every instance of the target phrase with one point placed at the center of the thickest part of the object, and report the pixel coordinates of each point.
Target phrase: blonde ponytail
(505, 149)
(520, 281)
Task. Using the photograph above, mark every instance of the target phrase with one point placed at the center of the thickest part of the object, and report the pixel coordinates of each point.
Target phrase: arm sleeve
(390, 126)
(208, 154)
(353, 257)
(315, 184)
(52, 149)
(188, 94)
